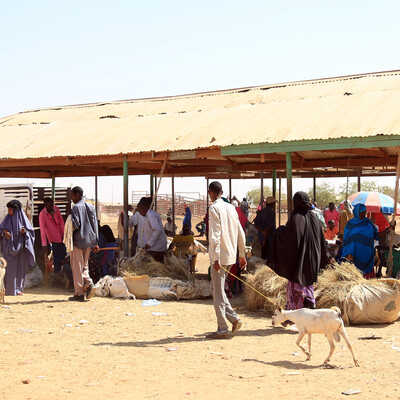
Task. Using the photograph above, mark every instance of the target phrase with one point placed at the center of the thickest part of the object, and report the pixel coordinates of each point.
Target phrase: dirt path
(124, 351)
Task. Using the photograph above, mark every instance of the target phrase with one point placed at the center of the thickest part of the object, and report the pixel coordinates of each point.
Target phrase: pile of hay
(171, 268)
(335, 282)
(332, 289)
(270, 285)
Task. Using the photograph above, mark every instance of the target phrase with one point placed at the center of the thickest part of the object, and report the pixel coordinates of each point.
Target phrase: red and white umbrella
(374, 202)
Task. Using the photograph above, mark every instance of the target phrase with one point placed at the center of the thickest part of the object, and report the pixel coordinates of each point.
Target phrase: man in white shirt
(226, 236)
(151, 236)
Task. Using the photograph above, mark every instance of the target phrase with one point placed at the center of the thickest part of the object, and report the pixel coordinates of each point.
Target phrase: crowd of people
(297, 250)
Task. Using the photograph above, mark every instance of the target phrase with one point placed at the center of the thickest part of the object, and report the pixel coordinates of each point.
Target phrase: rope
(251, 287)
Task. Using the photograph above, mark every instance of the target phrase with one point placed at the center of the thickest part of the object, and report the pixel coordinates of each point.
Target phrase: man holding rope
(226, 237)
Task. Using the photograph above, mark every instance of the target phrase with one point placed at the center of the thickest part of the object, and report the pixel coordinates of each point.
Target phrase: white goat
(326, 321)
(3, 265)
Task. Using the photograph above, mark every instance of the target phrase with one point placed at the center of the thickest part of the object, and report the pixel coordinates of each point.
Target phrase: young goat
(326, 321)
(3, 264)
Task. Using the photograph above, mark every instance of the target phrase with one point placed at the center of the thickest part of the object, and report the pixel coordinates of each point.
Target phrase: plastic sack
(191, 291)
(118, 289)
(114, 287)
(160, 288)
(33, 278)
(368, 304)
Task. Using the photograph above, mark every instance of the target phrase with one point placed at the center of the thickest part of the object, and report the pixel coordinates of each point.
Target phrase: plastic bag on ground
(33, 278)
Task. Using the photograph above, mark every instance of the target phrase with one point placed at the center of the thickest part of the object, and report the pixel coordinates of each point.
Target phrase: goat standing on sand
(326, 321)
(3, 265)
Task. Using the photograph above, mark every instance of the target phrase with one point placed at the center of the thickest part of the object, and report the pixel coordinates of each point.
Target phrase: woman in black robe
(297, 253)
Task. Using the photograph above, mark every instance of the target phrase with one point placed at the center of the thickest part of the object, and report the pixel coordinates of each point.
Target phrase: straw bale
(336, 281)
(171, 268)
(332, 289)
(270, 285)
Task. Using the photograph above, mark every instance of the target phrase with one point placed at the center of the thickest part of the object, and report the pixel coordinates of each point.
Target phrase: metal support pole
(53, 187)
(230, 189)
(155, 199)
(274, 182)
(96, 205)
(393, 221)
(280, 201)
(208, 199)
(173, 201)
(358, 179)
(126, 227)
(262, 189)
(289, 182)
(315, 189)
(151, 185)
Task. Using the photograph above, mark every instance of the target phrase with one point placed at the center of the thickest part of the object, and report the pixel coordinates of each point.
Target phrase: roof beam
(313, 145)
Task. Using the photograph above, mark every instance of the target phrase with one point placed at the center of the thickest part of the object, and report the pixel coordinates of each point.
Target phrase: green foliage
(325, 193)
(366, 186)
(253, 195)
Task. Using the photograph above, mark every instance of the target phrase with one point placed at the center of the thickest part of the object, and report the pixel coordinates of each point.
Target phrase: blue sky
(69, 52)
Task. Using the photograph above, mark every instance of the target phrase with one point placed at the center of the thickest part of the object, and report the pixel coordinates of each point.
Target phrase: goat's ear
(279, 309)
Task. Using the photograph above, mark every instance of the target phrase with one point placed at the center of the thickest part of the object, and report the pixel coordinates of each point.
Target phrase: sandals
(215, 335)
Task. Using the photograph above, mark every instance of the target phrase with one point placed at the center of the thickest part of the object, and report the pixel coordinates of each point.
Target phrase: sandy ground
(124, 351)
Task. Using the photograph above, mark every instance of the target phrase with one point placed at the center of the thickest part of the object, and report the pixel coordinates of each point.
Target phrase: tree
(366, 186)
(253, 195)
(325, 193)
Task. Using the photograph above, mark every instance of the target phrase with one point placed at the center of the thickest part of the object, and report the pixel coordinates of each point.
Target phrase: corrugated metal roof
(355, 106)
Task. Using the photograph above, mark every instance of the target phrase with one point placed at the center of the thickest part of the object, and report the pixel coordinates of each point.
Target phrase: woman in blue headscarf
(358, 241)
(17, 238)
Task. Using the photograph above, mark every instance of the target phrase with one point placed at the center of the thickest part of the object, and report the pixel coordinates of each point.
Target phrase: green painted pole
(274, 182)
(126, 222)
(289, 182)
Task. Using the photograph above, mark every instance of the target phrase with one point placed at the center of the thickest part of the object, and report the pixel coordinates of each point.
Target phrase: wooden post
(280, 201)
(96, 205)
(126, 221)
(274, 182)
(289, 182)
(315, 189)
(151, 185)
(392, 232)
(262, 189)
(358, 179)
(173, 201)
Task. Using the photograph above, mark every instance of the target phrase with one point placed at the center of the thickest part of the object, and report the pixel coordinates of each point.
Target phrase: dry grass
(334, 284)
(333, 287)
(270, 285)
(171, 268)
